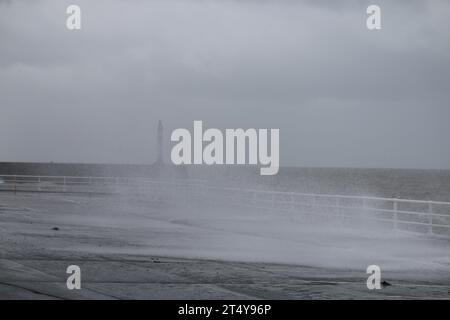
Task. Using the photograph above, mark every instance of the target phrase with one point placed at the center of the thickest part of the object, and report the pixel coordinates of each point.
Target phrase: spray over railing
(82, 184)
(431, 217)
(428, 217)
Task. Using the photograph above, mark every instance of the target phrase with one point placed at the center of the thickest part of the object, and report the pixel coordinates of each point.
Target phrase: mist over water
(223, 216)
(203, 219)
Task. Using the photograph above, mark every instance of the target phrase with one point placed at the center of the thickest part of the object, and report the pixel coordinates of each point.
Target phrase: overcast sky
(340, 94)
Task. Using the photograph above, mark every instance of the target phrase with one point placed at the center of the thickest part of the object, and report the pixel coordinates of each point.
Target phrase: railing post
(273, 200)
(364, 208)
(254, 200)
(119, 187)
(64, 184)
(313, 209)
(337, 204)
(366, 211)
(15, 184)
(395, 204)
(201, 196)
(430, 218)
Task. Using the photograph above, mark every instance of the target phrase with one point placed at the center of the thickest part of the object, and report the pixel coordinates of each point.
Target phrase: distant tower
(160, 136)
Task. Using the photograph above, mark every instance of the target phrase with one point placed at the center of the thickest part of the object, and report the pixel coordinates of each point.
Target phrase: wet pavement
(34, 258)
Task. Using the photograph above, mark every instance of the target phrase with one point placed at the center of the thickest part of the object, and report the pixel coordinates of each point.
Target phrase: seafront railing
(431, 217)
(81, 184)
(428, 217)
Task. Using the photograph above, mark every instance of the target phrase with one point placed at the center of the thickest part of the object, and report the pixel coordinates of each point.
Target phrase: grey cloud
(310, 68)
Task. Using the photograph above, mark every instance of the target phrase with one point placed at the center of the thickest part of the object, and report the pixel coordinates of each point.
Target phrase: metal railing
(79, 184)
(429, 217)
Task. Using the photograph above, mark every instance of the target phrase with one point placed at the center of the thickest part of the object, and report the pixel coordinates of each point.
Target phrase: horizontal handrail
(94, 177)
(253, 197)
(262, 191)
(323, 195)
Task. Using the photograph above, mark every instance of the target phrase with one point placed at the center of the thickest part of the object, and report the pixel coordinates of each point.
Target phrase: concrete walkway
(40, 237)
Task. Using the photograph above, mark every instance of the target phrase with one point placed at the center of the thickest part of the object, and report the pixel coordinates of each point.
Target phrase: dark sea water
(391, 183)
